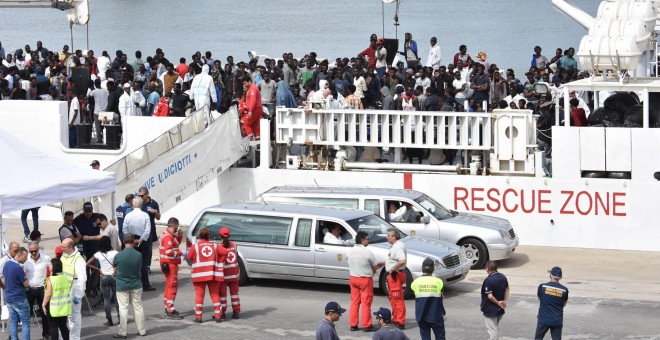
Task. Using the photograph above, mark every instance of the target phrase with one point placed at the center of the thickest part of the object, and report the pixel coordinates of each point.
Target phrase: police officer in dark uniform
(553, 297)
(494, 293)
(86, 223)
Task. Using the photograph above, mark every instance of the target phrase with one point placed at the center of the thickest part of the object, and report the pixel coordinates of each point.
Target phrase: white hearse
(285, 241)
(482, 237)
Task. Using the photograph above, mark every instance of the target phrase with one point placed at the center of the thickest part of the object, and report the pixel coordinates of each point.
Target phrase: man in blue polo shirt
(15, 283)
(494, 293)
(553, 297)
(122, 210)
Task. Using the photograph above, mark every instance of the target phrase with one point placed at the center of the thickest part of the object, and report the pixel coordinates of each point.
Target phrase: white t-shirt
(457, 83)
(75, 106)
(381, 57)
(106, 261)
(329, 238)
(397, 252)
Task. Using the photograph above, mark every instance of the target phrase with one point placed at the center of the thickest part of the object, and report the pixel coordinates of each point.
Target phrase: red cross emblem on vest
(207, 251)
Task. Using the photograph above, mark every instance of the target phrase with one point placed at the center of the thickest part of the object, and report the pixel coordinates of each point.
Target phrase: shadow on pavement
(515, 261)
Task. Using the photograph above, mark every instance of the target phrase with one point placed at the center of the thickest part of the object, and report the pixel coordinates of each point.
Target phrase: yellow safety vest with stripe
(428, 298)
(60, 302)
(69, 266)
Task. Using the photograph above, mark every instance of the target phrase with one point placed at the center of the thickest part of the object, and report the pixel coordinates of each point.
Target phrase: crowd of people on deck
(158, 86)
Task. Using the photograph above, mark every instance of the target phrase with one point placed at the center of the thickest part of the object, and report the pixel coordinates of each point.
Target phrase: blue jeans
(35, 220)
(19, 311)
(438, 328)
(73, 139)
(109, 291)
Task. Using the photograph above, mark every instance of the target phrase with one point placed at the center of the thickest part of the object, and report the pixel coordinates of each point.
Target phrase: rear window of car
(333, 202)
(247, 227)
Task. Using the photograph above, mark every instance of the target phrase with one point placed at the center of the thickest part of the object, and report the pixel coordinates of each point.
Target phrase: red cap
(58, 250)
(224, 232)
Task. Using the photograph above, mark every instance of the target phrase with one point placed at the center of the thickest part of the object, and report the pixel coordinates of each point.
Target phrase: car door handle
(320, 249)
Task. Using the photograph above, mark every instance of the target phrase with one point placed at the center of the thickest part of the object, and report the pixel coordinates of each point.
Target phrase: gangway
(179, 162)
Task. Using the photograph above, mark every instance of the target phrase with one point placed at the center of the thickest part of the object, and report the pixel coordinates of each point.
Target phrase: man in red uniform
(232, 274)
(396, 276)
(207, 264)
(255, 111)
(170, 258)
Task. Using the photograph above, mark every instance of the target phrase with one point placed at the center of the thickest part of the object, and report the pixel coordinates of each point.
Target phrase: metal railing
(386, 128)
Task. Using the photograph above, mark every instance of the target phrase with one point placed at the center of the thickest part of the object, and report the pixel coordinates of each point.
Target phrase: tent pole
(2, 253)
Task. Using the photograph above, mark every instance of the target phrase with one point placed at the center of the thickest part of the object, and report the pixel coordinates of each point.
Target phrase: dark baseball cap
(383, 313)
(87, 207)
(334, 307)
(555, 271)
(95, 162)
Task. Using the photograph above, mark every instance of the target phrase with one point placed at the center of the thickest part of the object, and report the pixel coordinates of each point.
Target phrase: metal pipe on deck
(572, 11)
(410, 167)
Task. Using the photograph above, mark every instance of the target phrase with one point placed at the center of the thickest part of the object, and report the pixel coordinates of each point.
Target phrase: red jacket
(231, 270)
(169, 248)
(162, 109)
(370, 54)
(253, 101)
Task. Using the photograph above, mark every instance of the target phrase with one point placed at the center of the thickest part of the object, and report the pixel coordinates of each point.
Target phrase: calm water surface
(507, 30)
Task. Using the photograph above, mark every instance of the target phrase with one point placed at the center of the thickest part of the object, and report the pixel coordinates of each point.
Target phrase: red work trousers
(362, 293)
(233, 294)
(251, 126)
(171, 286)
(200, 290)
(396, 297)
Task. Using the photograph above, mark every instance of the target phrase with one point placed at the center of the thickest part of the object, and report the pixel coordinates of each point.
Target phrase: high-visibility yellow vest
(60, 302)
(69, 266)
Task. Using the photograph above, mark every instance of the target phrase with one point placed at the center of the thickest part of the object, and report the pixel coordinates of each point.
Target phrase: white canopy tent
(30, 178)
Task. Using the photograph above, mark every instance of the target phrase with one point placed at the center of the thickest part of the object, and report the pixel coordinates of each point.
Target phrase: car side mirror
(425, 219)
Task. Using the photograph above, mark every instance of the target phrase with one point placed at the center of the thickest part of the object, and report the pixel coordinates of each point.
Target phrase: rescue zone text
(540, 201)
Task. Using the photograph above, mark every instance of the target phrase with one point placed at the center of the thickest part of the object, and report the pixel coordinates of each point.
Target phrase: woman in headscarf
(42, 81)
(19, 59)
(283, 96)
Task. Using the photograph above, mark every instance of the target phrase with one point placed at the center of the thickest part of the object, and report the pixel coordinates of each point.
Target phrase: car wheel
(407, 291)
(475, 251)
(243, 278)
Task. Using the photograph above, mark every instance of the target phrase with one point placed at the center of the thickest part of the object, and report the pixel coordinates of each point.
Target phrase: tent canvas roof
(29, 178)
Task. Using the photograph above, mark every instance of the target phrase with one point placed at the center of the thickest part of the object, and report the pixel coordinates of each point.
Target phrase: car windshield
(434, 208)
(373, 225)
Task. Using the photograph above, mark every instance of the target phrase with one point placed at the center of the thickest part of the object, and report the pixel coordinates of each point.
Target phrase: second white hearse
(285, 241)
(482, 237)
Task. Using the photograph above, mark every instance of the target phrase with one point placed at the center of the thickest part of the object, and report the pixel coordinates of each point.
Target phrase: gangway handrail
(193, 125)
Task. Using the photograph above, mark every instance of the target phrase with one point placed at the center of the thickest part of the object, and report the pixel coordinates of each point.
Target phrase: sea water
(507, 30)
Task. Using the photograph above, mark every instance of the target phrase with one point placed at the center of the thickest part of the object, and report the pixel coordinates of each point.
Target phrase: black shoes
(172, 316)
(197, 320)
(235, 315)
(354, 328)
(224, 316)
(149, 289)
(118, 336)
(400, 326)
(369, 329)
(217, 320)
